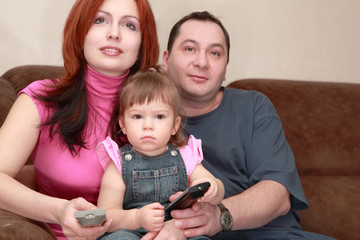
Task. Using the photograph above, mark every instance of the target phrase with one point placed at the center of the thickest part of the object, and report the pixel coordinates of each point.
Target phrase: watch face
(226, 221)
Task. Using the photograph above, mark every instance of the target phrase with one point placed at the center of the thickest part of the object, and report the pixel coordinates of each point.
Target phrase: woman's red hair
(79, 22)
(69, 96)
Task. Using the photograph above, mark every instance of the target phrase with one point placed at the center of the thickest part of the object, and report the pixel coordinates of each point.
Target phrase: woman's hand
(72, 228)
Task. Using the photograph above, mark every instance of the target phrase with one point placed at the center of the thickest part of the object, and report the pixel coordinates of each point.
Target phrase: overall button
(174, 153)
(128, 157)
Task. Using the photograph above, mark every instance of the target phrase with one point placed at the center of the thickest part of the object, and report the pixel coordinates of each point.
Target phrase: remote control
(188, 197)
(91, 218)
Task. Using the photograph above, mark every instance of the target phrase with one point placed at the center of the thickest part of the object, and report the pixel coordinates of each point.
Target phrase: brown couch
(321, 121)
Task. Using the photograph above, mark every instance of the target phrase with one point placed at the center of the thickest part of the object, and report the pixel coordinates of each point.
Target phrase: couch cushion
(7, 98)
(20, 77)
(334, 206)
(320, 120)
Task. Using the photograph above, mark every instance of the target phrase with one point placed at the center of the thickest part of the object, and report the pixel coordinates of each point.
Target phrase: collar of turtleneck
(102, 92)
(101, 85)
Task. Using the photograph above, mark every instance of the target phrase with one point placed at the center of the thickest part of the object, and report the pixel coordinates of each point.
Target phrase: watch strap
(224, 214)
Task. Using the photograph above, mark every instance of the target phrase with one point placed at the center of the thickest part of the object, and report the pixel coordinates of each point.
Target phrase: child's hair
(149, 85)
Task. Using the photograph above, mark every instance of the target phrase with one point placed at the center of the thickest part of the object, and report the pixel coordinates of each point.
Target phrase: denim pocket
(155, 185)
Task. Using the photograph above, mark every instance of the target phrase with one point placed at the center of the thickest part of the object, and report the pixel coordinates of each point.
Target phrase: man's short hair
(199, 16)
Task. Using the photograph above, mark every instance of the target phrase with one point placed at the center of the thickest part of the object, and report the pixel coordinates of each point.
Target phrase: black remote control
(188, 197)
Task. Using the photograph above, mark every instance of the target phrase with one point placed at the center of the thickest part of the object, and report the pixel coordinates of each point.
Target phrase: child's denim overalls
(148, 180)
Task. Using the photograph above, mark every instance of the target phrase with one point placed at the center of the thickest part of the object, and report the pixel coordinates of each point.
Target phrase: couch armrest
(13, 226)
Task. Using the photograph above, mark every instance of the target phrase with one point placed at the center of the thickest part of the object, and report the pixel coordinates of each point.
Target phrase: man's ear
(165, 60)
(176, 125)
(122, 125)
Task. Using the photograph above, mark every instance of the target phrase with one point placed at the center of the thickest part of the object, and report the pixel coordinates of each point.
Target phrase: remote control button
(90, 216)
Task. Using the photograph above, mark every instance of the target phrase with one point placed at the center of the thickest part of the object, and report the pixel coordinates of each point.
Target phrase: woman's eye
(99, 20)
(130, 25)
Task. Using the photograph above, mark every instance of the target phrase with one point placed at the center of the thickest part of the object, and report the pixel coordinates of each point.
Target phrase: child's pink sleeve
(192, 154)
(106, 150)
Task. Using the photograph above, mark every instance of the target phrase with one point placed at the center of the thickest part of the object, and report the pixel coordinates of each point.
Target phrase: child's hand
(211, 193)
(151, 217)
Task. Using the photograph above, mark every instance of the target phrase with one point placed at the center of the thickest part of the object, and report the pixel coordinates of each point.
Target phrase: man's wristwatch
(226, 220)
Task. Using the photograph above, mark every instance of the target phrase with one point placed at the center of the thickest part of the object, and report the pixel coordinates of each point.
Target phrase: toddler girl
(141, 176)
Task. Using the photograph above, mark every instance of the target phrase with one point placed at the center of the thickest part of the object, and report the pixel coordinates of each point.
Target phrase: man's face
(198, 60)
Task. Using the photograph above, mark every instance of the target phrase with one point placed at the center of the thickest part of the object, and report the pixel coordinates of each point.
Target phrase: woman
(60, 122)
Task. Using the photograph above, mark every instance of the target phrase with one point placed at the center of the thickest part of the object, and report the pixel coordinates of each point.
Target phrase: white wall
(31, 32)
(298, 39)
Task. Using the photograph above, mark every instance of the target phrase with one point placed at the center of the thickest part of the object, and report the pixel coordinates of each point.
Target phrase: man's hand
(200, 219)
(168, 232)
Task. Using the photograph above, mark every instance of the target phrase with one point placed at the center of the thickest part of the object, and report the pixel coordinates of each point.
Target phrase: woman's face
(112, 44)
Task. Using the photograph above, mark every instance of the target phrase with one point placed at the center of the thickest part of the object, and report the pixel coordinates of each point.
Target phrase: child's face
(149, 126)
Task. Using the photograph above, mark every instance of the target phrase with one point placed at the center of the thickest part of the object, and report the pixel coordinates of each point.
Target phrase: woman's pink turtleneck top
(60, 174)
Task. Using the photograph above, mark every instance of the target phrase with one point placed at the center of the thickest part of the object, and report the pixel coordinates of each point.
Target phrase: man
(243, 142)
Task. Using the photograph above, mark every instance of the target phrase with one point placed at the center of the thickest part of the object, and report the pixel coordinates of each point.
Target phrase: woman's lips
(111, 51)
